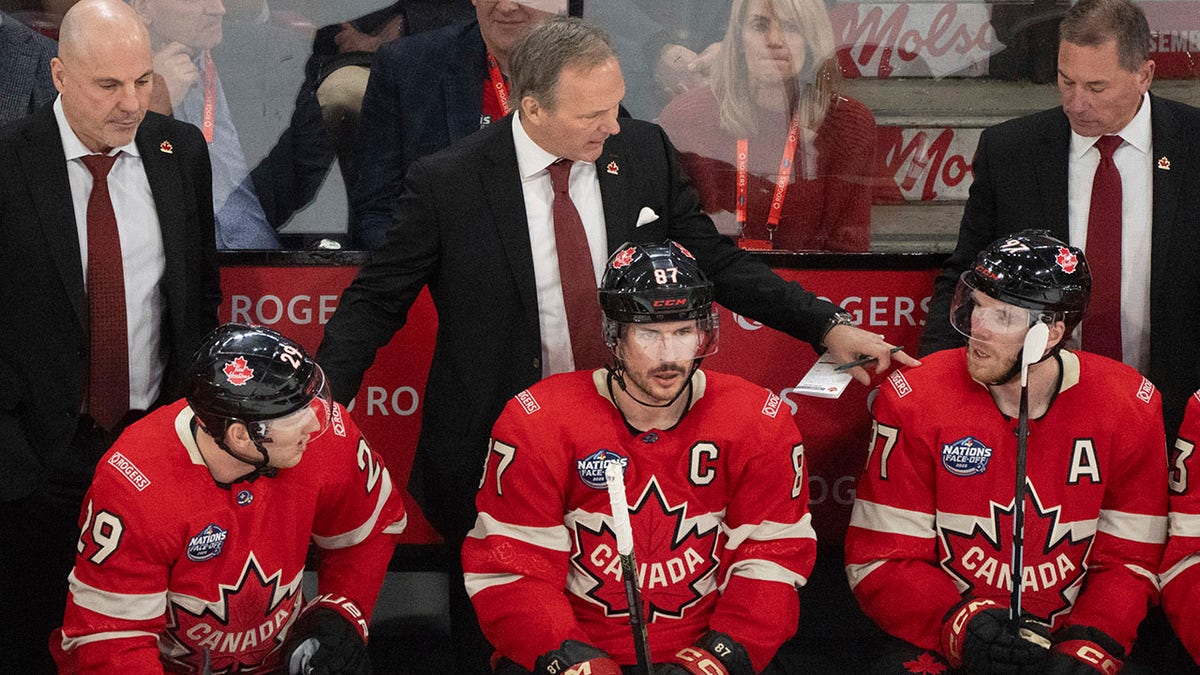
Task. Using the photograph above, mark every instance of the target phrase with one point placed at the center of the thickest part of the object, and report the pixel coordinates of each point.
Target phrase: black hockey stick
(615, 478)
(1035, 344)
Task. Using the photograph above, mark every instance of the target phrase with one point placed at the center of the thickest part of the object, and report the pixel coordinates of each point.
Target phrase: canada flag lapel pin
(1164, 163)
(166, 147)
(613, 168)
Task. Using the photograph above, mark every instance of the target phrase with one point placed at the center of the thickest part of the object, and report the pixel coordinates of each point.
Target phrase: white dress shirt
(584, 189)
(142, 255)
(1134, 159)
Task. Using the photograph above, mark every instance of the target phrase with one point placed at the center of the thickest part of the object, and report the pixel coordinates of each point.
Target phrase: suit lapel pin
(166, 147)
(1164, 163)
(613, 168)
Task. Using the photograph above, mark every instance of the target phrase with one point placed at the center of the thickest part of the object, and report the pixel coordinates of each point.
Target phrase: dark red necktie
(578, 276)
(108, 359)
(1102, 322)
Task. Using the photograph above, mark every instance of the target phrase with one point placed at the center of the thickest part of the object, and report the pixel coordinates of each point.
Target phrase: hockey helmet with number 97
(258, 377)
(1040, 277)
(655, 283)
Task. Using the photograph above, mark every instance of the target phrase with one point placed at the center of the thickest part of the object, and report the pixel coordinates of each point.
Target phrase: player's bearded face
(997, 333)
(658, 358)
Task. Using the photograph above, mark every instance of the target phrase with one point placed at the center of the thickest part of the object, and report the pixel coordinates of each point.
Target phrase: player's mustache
(668, 368)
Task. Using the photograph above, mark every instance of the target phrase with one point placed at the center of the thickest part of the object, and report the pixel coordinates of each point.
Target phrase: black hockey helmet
(653, 283)
(1031, 270)
(253, 375)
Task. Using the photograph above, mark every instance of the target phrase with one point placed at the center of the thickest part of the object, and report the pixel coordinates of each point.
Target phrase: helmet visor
(673, 341)
(978, 316)
(311, 420)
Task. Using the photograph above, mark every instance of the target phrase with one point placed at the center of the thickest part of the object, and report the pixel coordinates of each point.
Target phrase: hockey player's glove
(323, 642)
(1083, 650)
(977, 636)
(575, 658)
(714, 654)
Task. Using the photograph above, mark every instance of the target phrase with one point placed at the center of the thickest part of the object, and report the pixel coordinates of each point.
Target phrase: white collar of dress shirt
(531, 158)
(1136, 133)
(74, 148)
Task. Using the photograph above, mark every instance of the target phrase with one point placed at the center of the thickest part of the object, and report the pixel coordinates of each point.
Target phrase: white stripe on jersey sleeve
(769, 530)
(1179, 568)
(892, 520)
(763, 570)
(554, 538)
(1133, 526)
(476, 582)
(856, 573)
(125, 606)
(360, 533)
(69, 643)
(1184, 524)
(398, 526)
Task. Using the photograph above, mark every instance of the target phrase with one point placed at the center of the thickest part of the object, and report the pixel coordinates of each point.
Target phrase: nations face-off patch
(966, 456)
(591, 468)
(206, 545)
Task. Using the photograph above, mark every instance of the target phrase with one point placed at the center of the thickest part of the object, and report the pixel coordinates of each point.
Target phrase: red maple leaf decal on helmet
(238, 372)
(925, 664)
(1066, 259)
(623, 258)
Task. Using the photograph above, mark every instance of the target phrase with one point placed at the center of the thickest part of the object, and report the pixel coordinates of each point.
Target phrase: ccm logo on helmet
(670, 302)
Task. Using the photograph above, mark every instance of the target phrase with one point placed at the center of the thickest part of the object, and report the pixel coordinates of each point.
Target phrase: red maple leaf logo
(241, 631)
(925, 664)
(677, 563)
(623, 258)
(237, 372)
(1053, 563)
(1066, 260)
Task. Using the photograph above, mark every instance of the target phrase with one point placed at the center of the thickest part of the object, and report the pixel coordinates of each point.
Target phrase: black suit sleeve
(743, 283)
(376, 303)
(977, 229)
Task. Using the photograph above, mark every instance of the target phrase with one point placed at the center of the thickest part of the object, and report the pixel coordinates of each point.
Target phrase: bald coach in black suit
(161, 194)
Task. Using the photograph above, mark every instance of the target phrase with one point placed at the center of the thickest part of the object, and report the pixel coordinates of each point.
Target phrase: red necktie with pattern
(1102, 322)
(108, 359)
(578, 276)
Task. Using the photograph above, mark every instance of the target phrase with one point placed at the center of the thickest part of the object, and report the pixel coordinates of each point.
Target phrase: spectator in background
(78, 363)
(239, 96)
(780, 159)
(427, 91)
(25, 83)
(342, 56)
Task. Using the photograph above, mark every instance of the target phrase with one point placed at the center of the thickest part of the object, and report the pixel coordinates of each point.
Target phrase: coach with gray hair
(510, 229)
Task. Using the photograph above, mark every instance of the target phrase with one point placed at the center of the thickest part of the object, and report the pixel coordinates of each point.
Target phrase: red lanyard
(781, 183)
(499, 86)
(210, 97)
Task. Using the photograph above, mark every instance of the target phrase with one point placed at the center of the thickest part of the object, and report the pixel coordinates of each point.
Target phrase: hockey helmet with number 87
(657, 283)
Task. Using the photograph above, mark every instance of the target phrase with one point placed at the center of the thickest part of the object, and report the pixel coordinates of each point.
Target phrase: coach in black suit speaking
(160, 190)
(1036, 171)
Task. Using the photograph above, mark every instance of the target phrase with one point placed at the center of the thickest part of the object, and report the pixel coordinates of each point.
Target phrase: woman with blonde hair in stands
(779, 157)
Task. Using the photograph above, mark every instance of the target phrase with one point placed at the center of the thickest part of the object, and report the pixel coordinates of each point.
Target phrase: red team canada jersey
(933, 516)
(1180, 568)
(172, 566)
(718, 506)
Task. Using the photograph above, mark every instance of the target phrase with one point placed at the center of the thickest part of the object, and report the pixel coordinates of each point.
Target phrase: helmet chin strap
(618, 373)
(261, 468)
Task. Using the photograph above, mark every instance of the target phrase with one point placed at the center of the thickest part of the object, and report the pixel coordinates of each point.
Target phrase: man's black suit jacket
(43, 337)
(1021, 182)
(461, 229)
